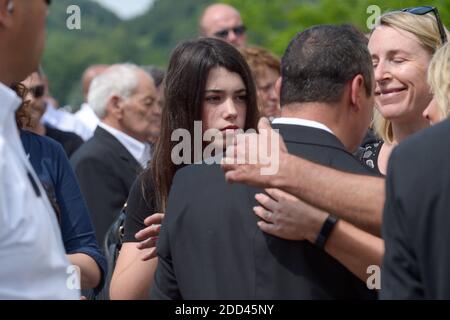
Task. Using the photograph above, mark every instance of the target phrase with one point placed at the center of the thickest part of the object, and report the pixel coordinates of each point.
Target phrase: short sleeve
(139, 207)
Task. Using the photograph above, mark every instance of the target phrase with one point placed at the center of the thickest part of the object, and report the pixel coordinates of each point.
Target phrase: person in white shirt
(33, 261)
(65, 121)
(86, 115)
(124, 98)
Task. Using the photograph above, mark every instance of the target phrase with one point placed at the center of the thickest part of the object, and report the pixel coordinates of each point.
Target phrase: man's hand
(149, 235)
(255, 158)
(287, 217)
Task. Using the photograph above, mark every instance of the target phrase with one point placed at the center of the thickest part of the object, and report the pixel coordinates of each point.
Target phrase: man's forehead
(34, 79)
(221, 20)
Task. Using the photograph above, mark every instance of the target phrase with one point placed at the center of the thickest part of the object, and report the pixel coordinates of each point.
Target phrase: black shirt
(139, 207)
(69, 140)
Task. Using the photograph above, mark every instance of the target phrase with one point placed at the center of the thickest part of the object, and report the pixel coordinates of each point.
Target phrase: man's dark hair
(320, 61)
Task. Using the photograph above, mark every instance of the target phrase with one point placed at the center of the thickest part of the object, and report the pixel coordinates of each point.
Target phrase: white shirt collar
(10, 103)
(140, 151)
(302, 122)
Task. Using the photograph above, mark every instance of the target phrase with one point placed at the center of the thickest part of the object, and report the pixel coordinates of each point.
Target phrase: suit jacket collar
(308, 135)
(108, 139)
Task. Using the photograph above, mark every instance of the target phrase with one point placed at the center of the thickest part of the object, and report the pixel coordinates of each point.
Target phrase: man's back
(210, 246)
(416, 218)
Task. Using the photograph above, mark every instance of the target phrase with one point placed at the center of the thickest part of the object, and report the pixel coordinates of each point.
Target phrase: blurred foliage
(149, 38)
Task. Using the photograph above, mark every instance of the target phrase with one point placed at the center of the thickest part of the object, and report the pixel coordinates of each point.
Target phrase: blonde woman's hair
(439, 79)
(425, 28)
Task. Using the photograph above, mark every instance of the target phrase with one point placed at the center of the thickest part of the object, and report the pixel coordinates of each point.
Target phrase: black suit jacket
(105, 171)
(211, 248)
(416, 220)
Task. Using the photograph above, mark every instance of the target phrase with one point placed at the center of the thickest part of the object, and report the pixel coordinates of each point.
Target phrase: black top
(138, 208)
(69, 140)
(368, 155)
(416, 218)
(210, 246)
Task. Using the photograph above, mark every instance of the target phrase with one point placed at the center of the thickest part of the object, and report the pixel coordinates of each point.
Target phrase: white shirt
(33, 263)
(65, 121)
(140, 151)
(88, 117)
(302, 122)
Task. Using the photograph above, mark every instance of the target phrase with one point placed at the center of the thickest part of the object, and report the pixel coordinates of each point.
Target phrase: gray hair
(120, 80)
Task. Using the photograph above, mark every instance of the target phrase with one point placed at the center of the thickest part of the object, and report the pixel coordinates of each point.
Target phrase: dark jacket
(105, 171)
(211, 248)
(416, 218)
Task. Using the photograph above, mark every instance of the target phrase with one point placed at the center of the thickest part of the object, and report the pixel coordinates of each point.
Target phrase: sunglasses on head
(239, 31)
(37, 91)
(424, 10)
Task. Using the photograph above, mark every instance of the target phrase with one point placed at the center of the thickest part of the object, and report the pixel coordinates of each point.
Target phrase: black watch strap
(324, 233)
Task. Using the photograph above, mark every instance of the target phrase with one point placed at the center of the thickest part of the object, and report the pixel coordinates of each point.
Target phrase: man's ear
(357, 89)
(115, 107)
(6, 13)
(278, 86)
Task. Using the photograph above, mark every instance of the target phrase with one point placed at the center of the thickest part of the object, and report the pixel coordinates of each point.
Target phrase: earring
(10, 6)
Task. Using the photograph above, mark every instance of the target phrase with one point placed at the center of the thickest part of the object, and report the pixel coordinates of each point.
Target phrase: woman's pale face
(270, 101)
(225, 104)
(400, 64)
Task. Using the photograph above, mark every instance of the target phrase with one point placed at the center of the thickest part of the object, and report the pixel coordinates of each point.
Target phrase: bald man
(223, 21)
(89, 74)
(86, 115)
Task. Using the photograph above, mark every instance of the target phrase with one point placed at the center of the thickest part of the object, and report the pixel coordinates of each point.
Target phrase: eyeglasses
(37, 91)
(424, 10)
(239, 31)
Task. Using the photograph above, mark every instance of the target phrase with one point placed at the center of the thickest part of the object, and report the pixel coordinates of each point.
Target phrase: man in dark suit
(210, 246)
(106, 165)
(417, 218)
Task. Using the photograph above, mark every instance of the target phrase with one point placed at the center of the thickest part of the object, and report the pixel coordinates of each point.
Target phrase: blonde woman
(401, 46)
(439, 81)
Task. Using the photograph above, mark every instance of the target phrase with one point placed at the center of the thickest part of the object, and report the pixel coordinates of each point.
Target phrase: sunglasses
(424, 10)
(37, 91)
(239, 31)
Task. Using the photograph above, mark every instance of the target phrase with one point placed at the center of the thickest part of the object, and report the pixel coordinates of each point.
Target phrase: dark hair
(23, 117)
(320, 61)
(185, 83)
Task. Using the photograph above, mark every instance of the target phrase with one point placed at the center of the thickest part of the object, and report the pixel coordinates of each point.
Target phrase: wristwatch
(324, 233)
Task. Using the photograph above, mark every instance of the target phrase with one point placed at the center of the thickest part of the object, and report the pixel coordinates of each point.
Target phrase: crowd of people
(361, 182)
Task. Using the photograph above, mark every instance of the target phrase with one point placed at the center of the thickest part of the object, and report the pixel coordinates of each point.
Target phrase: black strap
(34, 184)
(324, 233)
